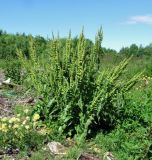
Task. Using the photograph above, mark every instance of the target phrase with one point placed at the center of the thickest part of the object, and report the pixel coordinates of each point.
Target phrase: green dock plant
(77, 94)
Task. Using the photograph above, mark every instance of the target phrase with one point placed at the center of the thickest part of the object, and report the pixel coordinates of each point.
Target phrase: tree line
(10, 42)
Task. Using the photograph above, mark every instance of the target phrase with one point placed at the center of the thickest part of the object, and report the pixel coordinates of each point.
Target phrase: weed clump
(78, 95)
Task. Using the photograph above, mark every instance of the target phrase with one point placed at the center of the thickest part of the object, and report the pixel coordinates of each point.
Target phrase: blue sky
(123, 21)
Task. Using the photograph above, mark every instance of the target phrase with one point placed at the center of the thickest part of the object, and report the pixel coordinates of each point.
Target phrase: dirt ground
(11, 96)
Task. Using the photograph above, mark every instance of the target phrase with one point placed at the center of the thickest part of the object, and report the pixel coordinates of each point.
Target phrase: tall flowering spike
(98, 39)
(100, 35)
(53, 36)
(80, 56)
(54, 49)
(32, 51)
(22, 58)
(97, 47)
(67, 51)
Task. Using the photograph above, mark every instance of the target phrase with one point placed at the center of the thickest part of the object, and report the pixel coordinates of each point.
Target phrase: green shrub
(133, 138)
(76, 93)
(128, 141)
(139, 102)
(13, 71)
(3, 64)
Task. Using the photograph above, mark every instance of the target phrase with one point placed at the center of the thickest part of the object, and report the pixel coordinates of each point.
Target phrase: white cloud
(145, 19)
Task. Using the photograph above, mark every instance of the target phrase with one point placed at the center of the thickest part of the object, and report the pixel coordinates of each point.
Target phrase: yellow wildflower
(15, 126)
(13, 119)
(24, 122)
(27, 126)
(27, 118)
(43, 131)
(3, 127)
(36, 117)
(5, 130)
(16, 133)
(18, 115)
(10, 126)
(10, 121)
(4, 119)
(26, 111)
(17, 120)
